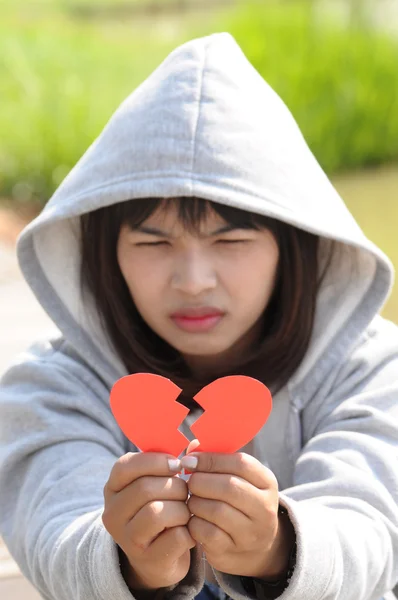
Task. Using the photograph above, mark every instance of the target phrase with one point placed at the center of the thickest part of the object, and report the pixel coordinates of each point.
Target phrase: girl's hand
(146, 514)
(234, 504)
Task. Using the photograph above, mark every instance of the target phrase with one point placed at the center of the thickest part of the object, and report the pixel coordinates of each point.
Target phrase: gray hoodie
(206, 124)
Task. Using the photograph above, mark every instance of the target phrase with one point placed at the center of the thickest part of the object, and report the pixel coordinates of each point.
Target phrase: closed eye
(232, 241)
(152, 243)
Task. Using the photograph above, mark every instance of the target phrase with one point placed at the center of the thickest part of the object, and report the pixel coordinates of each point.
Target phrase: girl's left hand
(234, 503)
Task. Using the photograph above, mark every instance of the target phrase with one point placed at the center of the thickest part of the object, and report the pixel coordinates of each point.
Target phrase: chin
(199, 348)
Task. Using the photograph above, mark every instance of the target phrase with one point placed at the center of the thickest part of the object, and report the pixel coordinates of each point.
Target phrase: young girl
(197, 238)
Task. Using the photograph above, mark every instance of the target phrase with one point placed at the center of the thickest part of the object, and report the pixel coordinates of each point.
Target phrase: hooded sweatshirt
(206, 124)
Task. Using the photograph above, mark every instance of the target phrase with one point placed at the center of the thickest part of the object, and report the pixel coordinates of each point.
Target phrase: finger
(240, 464)
(172, 543)
(212, 538)
(232, 490)
(133, 465)
(144, 490)
(224, 516)
(169, 555)
(154, 518)
(192, 446)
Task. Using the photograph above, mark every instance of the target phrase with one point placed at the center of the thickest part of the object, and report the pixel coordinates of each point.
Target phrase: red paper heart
(145, 408)
(236, 407)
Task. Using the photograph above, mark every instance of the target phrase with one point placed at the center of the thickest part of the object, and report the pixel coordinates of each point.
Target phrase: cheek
(142, 279)
(144, 285)
(257, 285)
(252, 277)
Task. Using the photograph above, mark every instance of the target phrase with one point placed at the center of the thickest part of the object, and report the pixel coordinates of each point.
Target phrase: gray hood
(204, 124)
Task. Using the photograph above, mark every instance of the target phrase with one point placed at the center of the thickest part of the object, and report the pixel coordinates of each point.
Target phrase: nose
(193, 274)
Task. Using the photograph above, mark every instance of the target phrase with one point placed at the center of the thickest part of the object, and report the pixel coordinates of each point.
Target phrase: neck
(217, 365)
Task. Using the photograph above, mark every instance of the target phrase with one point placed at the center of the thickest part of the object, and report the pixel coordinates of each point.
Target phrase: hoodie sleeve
(58, 443)
(344, 501)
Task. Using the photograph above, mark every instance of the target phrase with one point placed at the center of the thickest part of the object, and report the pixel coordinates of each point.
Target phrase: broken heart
(146, 409)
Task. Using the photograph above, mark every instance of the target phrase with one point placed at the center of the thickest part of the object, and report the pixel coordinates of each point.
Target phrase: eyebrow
(160, 233)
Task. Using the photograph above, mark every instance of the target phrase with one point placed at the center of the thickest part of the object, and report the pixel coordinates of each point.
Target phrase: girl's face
(204, 293)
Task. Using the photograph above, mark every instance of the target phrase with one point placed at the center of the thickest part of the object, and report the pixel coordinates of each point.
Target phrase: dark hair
(288, 318)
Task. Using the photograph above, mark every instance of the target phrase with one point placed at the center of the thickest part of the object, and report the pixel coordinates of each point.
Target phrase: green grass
(59, 83)
(61, 79)
(341, 83)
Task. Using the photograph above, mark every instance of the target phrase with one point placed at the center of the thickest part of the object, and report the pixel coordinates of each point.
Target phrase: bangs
(191, 213)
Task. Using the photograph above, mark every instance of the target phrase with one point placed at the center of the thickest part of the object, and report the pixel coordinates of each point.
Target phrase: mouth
(197, 319)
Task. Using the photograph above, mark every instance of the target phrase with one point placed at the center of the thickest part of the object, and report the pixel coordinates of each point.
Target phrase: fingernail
(174, 464)
(189, 462)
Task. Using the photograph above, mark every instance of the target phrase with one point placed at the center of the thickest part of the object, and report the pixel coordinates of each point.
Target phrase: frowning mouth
(197, 319)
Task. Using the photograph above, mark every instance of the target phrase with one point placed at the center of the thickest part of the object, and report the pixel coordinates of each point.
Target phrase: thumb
(192, 446)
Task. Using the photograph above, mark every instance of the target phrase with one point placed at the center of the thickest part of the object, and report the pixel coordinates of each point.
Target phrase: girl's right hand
(146, 514)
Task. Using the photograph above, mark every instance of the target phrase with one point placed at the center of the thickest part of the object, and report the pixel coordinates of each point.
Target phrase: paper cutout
(236, 408)
(145, 408)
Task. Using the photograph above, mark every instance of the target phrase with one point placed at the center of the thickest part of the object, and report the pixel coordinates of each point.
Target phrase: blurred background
(65, 65)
